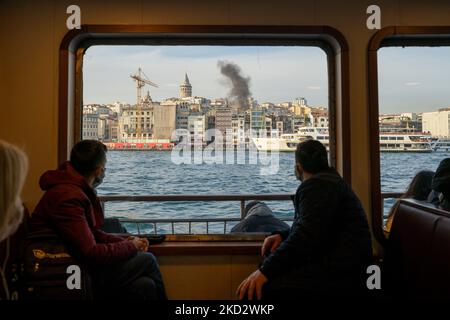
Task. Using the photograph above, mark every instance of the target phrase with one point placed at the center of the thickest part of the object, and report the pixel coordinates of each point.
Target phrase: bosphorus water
(153, 172)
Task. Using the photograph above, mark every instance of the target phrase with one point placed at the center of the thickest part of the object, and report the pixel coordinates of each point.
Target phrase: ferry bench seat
(417, 259)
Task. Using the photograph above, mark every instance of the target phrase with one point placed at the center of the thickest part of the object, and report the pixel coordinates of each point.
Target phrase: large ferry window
(414, 120)
(205, 120)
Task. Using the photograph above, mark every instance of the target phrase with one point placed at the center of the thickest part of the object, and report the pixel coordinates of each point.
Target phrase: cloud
(313, 87)
(412, 83)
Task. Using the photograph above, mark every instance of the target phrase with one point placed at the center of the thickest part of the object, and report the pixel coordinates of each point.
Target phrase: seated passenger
(259, 218)
(328, 248)
(418, 189)
(13, 171)
(440, 194)
(70, 207)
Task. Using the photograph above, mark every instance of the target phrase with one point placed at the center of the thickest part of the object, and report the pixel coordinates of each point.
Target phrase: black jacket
(330, 230)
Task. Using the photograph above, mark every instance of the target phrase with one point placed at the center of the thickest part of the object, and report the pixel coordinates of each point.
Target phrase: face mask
(298, 175)
(12, 225)
(98, 180)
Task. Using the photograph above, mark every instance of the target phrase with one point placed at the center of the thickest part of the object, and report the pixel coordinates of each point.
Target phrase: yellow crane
(141, 80)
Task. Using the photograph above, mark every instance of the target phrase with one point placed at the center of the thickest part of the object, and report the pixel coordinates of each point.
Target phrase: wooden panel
(206, 248)
(205, 277)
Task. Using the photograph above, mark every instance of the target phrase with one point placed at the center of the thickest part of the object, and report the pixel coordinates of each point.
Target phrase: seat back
(417, 261)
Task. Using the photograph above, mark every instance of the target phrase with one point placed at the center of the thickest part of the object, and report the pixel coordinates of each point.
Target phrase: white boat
(405, 142)
(286, 142)
(389, 142)
(289, 141)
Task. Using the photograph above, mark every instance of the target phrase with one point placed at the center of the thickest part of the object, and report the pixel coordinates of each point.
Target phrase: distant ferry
(139, 146)
(288, 142)
(405, 142)
(389, 142)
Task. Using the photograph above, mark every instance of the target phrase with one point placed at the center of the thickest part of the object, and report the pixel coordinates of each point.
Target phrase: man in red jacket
(71, 208)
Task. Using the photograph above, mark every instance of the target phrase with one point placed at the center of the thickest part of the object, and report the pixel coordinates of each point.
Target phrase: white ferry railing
(242, 198)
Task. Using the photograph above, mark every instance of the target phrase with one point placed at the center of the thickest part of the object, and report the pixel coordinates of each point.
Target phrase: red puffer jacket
(71, 208)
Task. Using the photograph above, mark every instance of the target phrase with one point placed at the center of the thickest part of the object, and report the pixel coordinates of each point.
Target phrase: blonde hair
(13, 171)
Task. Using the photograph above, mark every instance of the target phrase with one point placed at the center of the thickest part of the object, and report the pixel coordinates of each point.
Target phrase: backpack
(49, 272)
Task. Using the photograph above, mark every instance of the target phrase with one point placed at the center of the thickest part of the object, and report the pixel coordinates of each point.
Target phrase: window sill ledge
(183, 248)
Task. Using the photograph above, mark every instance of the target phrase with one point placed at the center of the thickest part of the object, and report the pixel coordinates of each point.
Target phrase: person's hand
(140, 244)
(146, 243)
(271, 243)
(251, 286)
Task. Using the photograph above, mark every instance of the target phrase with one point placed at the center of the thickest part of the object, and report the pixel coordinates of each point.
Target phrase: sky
(411, 79)
(277, 74)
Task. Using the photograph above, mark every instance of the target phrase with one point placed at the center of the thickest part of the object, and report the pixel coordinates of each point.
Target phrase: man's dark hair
(87, 155)
(441, 179)
(312, 155)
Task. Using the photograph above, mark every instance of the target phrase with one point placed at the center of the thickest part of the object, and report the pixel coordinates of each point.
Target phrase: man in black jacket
(328, 248)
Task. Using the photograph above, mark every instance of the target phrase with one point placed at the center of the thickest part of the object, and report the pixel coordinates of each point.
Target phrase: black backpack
(47, 268)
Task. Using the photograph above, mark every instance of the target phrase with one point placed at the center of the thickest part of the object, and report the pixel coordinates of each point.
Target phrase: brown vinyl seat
(417, 260)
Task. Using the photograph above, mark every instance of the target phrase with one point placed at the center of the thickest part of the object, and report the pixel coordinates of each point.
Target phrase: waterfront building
(279, 126)
(182, 111)
(197, 126)
(182, 114)
(405, 122)
(164, 121)
(298, 122)
(130, 117)
(116, 107)
(90, 123)
(108, 128)
(318, 117)
(257, 119)
(223, 119)
(238, 129)
(267, 105)
(437, 123)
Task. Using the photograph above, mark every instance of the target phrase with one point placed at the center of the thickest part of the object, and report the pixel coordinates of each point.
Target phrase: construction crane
(141, 80)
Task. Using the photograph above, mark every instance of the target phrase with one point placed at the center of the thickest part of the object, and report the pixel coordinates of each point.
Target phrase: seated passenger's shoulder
(66, 193)
(325, 179)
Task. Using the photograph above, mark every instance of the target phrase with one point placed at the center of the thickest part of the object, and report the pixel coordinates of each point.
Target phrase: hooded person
(258, 217)
(71, 209)
(440, 194)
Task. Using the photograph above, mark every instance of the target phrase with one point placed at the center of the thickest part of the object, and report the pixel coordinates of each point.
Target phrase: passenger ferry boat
(389, 142)
(140, 146)
(395, 142)
(41, 85)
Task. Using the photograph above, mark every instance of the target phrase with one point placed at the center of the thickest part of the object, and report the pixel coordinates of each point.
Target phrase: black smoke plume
(240, 91)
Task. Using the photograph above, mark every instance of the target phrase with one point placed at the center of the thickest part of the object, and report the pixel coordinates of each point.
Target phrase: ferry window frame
(394, 36)
(76, 41)
(330, 40)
